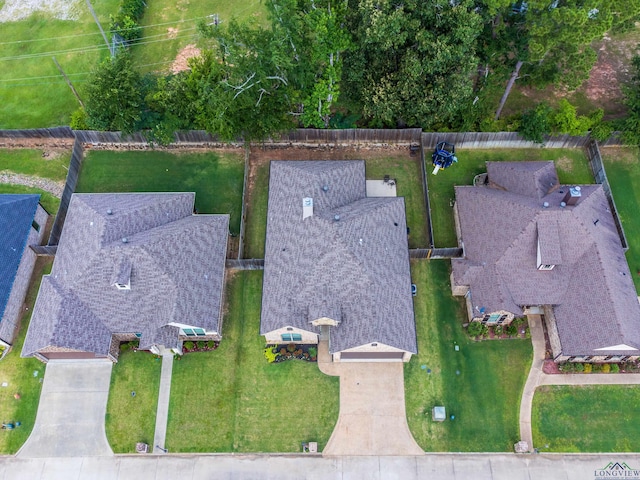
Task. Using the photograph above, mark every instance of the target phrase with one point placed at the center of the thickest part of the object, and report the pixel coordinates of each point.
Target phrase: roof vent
(336, 217)
(125, 240)
(325, 188)
(563, 204)
(109, 212)
(545, 204)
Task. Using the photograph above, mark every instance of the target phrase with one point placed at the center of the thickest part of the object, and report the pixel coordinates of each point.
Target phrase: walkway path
(537, 378)
(372, 418)
(53, 187)
(445, 466)
(73, 404)
(162, 414)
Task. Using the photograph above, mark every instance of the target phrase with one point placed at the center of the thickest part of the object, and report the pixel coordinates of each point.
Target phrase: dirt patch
(54, 154)
(565, 163)
(181, 63)
(625, 155)
(172, 32)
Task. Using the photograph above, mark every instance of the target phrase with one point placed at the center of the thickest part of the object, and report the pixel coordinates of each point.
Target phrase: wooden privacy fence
(75, 165)
(56, 132)
(349, 136)
(425, 193)
(599, 173)
(245, 264)
(191, 137)
(499, 140)
(435, 253)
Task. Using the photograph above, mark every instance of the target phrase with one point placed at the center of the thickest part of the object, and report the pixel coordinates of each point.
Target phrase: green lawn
(129, 418)
(572, 166)
(23, 376)
(624, 177)
(484, 397)
(161, 45)
(31, 162)
(405, 169)
(232, 400)
(598, 418)
(33, 94)
(48, 201)
(216, 177)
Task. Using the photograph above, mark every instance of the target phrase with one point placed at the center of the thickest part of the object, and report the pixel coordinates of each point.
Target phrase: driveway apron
(71, 412)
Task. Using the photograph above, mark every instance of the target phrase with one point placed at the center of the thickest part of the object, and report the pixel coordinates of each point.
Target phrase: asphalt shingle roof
(591, 288)
(173, 260)
(349, 261)
(16, 215)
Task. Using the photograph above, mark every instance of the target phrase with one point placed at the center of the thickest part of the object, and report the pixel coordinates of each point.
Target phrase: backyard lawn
(232, 400)
(480, 384)
(23, 376)
(216, 177)
(33, 93)
(598, 418)
(572, 166)
(131, 418)
(405, 169)
(169, 26)
(48, 201)
(623, 173)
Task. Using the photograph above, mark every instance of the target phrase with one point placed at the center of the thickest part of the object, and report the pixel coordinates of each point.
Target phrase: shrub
(474, 329)
(188, 345)
(567, 367)
(601, 131)
(270, 354)
(211, 344)
(484, 331)
(283, 351)
(579, 367)
(596, 367)
(291, 347)
(534, 124)
(518, 321)
(498, 330)
(527, 332)
(125, 346)
(606, 368)
(201, 344)
(512, 329)
(126, 22)
(79, 120)
(588, 367)
(313, 351)
(615, 368)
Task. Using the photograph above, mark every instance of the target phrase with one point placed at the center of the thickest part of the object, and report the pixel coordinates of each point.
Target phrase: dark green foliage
(79, 120)
(474, 329)
(615, 368)
(631, 128)
(534, 124)
(126, 22)
(188, 345)
(512, 329)
(115, 96)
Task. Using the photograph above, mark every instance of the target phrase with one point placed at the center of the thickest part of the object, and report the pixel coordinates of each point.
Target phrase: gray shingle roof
(16, 214)
(354, 270)
(590, 288)
(173, 260)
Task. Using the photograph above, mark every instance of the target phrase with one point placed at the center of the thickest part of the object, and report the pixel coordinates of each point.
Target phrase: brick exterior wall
(274, 336)
(13, 310)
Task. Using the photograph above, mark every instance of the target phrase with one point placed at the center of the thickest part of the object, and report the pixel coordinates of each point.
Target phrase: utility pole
(95, 17)
(68, 82)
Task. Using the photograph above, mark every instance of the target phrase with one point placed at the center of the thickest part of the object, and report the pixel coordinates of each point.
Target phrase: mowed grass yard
(233, 400)
(131, 418)
(405, 169)
(481, 384)
(623, 171)
(33, 93)
(31, 162)
(215, 176)
(572, 166)
(169, 26)
(23, 376)
(593, 418)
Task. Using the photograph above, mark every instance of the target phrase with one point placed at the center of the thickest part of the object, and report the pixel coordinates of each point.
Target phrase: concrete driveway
(71, 413)
(372, 419)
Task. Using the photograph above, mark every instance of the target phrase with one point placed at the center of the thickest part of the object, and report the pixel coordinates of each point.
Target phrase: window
(291, 337)
(546, 267)
(493, 318)
(194, 332)
(35, 225)
(138, 335)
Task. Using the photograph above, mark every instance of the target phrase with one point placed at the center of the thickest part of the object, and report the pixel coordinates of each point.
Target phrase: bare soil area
(181, 62)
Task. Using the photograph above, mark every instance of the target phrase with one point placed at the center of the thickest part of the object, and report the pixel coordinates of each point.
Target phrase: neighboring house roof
(16, 216)
(591, 288)
(172, 260)
(347, 261)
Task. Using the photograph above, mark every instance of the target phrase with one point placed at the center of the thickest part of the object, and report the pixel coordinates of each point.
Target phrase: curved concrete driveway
(372, 419)
(73, 403)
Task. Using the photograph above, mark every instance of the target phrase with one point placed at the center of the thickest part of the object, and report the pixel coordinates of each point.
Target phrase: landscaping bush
(211, 344)
(313, 352)
(200, 344)
(588, 368)
(567, 367)
(188, 345)
(291, 347)
(596, 367)
(126, 22)
(606, 368)
(498, 330)
(270, 354)
(474, 329)
(484, 331)
(512, 329)
(615, 368)
(580, 367)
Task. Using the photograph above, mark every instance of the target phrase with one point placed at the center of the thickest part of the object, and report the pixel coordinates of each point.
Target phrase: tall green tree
(412, 61)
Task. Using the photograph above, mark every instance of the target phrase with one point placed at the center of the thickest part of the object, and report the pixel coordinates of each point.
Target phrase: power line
(94, 48)
(98, 33)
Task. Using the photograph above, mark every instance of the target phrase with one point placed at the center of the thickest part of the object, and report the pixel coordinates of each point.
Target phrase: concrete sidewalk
(162, 413)
(71, 412)
(296, 467)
